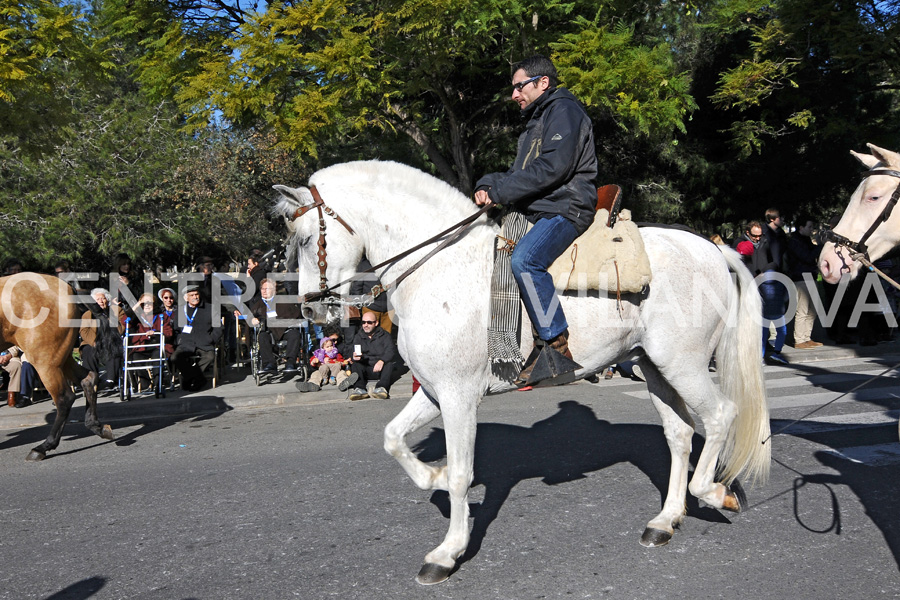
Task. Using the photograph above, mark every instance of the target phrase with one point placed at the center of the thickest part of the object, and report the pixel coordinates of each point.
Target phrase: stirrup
(551, 365)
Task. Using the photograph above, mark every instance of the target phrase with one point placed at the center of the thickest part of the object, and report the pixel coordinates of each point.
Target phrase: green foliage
(158, 127)
(47, 52)
(637, 84)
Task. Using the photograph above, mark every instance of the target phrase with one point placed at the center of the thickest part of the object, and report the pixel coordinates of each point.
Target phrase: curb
(242, 394)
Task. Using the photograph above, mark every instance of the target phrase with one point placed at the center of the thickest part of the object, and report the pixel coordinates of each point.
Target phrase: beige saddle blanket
(603, 258)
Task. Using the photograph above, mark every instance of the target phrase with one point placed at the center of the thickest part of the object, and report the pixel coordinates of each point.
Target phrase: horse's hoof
(35, 455)
(107, 433)
(736, 498)
(431, 573)
(655, 537)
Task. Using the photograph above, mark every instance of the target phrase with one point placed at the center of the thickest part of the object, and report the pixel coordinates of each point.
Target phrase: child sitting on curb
(330, 367)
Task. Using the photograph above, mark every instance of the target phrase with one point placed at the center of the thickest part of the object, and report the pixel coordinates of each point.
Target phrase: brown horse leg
(91, 421)
(63, 406)
(57, 383)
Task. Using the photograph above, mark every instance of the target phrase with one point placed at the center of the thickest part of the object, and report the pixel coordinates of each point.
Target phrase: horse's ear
(867, 160)
(890, 159)
(299, 195)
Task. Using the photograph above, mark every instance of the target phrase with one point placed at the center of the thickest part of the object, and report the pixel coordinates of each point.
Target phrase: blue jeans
(773, 296)
(533, 255)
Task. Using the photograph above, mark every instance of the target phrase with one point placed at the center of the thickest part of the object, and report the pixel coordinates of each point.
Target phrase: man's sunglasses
(369, 322)
(518, 86)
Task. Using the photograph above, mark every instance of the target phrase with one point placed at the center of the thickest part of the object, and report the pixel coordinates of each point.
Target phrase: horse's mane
(401, 179)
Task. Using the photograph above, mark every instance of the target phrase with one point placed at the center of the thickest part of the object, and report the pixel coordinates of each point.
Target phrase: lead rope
(864, 260)
(832, 401)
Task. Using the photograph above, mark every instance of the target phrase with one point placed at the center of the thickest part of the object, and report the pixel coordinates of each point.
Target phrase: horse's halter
(322, 254)
(860, 246)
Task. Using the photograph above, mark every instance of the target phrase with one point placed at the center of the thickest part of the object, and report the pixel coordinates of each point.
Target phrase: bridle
(322, 253)
(327, 292)
(860, 247)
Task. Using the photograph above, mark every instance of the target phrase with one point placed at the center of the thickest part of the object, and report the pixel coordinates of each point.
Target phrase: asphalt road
(298, 500)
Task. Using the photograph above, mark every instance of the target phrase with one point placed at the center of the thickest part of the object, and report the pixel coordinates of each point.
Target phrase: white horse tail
(738, 361)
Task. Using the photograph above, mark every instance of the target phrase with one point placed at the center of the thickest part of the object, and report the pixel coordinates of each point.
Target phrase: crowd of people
(774, 258)
(134, 326)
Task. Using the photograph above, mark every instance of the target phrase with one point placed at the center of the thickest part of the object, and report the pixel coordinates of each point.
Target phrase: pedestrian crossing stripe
(876, 455)
(838, 422)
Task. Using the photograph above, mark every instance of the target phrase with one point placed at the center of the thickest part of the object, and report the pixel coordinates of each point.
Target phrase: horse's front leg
(91, 421)
(418, 412)
(459, 429)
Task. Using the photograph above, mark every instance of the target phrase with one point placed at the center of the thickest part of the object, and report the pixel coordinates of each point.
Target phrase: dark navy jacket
(556, 164)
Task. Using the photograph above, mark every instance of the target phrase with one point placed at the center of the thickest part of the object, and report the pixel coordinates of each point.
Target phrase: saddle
(609, 256)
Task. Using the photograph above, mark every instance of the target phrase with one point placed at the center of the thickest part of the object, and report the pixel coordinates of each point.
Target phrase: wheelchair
(155, 366)
(279, 349)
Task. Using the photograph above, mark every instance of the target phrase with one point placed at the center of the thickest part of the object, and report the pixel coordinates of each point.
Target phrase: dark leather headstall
(860, 246)
(322, 253)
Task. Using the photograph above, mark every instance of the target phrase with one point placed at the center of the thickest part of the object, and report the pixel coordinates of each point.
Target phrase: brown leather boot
(525, 373)
(561, 344)
(11, 399)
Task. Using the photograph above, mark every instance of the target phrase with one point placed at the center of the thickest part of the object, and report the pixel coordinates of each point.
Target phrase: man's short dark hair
(537, 65)
(772, 214)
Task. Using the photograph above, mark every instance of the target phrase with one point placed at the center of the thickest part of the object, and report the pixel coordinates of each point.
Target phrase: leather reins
(322, 253)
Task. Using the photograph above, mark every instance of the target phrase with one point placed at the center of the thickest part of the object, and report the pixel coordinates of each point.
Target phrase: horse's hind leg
(678, 428)
(63, 397)
(717, 413)
(418, 412)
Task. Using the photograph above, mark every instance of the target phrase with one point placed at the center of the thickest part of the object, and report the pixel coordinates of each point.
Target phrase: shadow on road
(80, 591)
(559, 449)
(873, 485)
(117, 413)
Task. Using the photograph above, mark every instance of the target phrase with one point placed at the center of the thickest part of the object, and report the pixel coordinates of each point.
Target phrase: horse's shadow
(562, 448)
(118, 419)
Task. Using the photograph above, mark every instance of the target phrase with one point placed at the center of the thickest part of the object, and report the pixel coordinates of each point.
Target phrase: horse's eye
(305, 241)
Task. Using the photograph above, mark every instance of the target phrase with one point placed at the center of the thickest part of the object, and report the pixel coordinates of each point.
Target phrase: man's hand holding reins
(482, 198)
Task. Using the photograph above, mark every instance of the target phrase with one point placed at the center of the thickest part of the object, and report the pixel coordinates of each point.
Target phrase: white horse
(867, 208)
(694, 307)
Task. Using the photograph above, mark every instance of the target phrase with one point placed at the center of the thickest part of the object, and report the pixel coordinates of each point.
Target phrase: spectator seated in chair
(143, 320)
(267, 309)
(102, 349)
(197, 339)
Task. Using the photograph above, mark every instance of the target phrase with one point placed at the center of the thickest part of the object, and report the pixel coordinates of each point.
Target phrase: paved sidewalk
(239, 391)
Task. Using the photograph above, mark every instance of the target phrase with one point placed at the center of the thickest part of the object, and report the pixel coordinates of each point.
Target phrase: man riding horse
(552, 182)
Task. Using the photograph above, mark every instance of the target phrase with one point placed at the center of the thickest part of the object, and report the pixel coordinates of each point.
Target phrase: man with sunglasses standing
(552, 183)
(373, 358)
